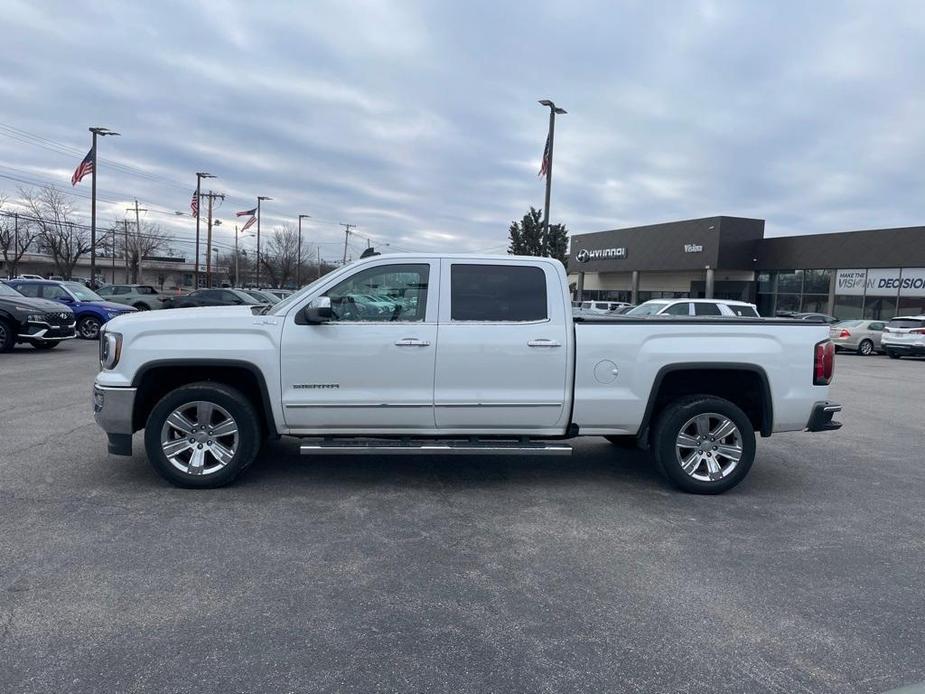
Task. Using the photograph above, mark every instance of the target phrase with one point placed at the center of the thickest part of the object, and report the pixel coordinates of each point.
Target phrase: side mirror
(65, 299)
(318, 310)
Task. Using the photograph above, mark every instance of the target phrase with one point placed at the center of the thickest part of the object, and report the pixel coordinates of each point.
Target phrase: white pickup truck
(405, 354)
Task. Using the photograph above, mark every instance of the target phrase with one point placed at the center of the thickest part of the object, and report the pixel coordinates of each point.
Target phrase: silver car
(861, 336)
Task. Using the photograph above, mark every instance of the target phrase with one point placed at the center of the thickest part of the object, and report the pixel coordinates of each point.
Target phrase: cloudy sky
(418, 122)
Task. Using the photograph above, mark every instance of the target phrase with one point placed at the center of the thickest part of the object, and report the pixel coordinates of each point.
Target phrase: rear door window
(28, 289)
(682, 309)
(746, 311)
(53, 291)
(497, 293)
(701, 309)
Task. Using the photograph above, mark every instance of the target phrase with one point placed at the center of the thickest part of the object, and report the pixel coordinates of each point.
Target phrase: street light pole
(101, 132)
(199, 176)
(260, 198)
(298, 266)
(553, 110)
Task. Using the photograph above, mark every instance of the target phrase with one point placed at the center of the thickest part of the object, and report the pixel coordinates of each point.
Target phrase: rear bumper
(821, 417)
(911, 350)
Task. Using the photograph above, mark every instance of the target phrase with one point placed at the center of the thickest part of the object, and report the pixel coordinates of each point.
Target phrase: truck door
(370, 369)
(504, 347)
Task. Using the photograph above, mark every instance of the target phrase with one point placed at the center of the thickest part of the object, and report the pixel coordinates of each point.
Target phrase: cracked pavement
(460, 574)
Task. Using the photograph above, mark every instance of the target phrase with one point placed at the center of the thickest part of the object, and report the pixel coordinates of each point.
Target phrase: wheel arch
(720, 379)
(157, 378)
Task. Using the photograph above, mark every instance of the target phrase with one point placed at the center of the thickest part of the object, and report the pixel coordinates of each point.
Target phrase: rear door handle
(412, 342)
(543, 342)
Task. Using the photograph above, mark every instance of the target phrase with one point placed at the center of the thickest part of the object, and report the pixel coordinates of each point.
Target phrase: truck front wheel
(202, 435)
(704, 444)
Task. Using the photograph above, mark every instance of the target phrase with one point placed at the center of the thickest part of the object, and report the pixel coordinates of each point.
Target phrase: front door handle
(543, 342)
(412, 342)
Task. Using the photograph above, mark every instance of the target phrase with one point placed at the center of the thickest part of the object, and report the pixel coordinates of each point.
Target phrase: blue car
(90, 309)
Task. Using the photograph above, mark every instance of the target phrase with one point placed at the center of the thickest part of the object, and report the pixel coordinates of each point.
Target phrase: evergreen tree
(526, 237)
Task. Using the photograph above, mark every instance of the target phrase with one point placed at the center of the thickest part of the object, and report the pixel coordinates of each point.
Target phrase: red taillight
(823, 363)
(918, 331)
(844, 333)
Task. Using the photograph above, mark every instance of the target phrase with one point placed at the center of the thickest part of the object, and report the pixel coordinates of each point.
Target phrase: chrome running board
(431, 447)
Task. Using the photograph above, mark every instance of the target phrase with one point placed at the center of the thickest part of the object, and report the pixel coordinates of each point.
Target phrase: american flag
(194, 203)
(247, 213)
(85, 167)
(544, 167)
(250, 222)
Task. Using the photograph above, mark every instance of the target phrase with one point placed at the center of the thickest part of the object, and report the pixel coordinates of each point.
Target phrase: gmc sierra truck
(409, 354)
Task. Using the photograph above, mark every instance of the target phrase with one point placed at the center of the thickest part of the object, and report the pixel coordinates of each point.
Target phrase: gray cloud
(418, 121)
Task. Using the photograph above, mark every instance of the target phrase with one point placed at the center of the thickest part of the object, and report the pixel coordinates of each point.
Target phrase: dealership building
(876, 273)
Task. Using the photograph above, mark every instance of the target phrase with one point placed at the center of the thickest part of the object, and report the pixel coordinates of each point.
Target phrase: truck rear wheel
(704, 444)
(202, 435)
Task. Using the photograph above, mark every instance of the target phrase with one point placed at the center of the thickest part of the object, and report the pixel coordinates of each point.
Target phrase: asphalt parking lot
(462, 575)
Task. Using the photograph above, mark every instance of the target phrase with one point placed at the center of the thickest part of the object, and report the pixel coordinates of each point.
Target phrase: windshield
(650, 308)
(81, 292)
(6, 290)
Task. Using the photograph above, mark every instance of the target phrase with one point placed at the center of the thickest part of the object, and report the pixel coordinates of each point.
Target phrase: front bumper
(45, 332)
(821, 417)
(112, 410)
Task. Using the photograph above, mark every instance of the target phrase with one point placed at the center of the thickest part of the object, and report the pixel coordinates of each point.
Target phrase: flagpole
(553, 110)
(102, 132)
(260, 198)
(93, 215)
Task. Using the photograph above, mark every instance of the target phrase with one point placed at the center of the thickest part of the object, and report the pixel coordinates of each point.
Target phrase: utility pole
(102, 132)
(547, 155)
(260, 198)
(137, 236)
(237, 277)
(347, 228)
(125, 250)
(298, 266)
(199, 176)
(211, 196)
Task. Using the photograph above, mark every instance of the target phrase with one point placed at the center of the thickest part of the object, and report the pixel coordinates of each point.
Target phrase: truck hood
(32, 304)
(183, 319)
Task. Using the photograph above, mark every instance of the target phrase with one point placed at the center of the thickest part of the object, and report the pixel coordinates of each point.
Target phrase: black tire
(141, 307)
(235, 404)
(46, 345)
(866, 348)
(669, 425)
(7, 336)
(623, 441)
(892, 355)
(88, 328)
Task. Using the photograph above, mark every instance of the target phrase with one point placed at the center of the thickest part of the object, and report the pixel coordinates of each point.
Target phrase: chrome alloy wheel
(199, 438)
(89, 328)
(709, 446)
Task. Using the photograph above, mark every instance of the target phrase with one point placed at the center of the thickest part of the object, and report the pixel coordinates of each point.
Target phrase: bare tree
(280, 255)
(66, 240)
(137, 244)
(16, 236)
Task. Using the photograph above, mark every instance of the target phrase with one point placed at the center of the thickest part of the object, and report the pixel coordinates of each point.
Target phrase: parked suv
(38, 322)
(90, 309)
(904, 336)
(861, 336)
(603, 307)
(695, 307)
(214, 297)
(144, 297)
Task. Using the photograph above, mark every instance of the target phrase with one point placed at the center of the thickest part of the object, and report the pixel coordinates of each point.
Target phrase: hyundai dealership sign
(584, 255)
(881, 282)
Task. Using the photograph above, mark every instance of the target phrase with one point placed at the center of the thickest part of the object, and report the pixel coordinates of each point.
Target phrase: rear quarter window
(497, 293)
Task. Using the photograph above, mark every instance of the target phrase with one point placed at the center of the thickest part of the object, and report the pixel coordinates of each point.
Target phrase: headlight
(110, 349)
(35, 318)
